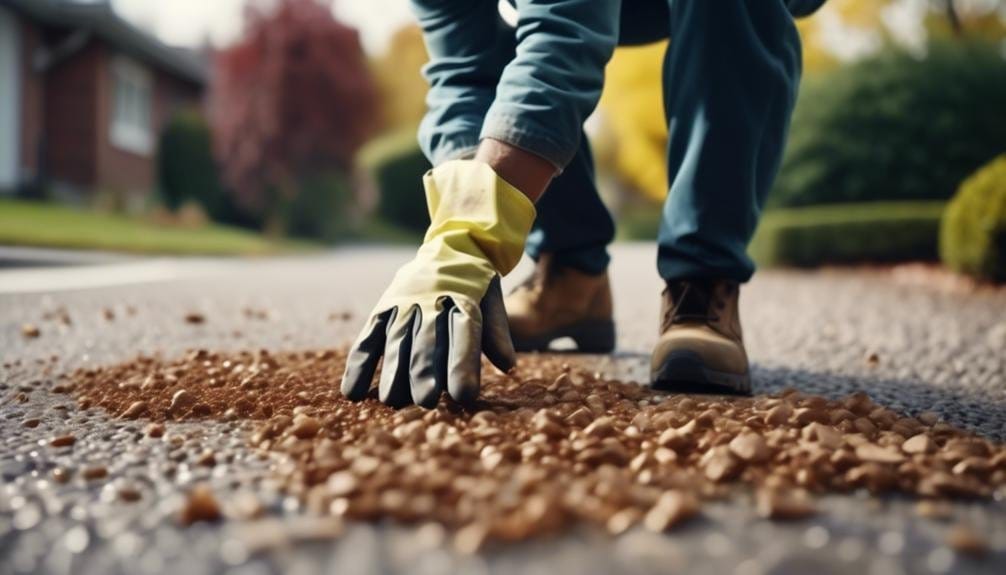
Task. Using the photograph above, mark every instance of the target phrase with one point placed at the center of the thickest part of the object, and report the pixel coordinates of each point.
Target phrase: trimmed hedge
(973, 234)
(849, 233)
(321, 210)
(895, 127)
(396, 164)
(185, 166)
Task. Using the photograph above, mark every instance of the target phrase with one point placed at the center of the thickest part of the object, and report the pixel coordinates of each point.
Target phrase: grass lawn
(25, 223)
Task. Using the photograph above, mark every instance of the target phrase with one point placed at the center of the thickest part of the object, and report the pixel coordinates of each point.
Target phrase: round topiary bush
(895, 127)
(185, 166)
(973, 232)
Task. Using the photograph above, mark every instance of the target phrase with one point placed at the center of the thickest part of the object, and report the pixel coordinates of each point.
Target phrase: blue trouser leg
(469, 48)
(573, 224)
(730, 82)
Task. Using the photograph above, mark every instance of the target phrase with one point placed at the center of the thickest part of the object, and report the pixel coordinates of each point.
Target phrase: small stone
(826, 435)
(63, 440)
(471, 538)
(873, 359)
(30, 331)
(964, 539)
(874, 476)
(95, 472)
(719, 465)
(673, 508)
(783, 504)
(129, 494)
(342, 483)
(245, 505)
(806, 415)
(870, 452)
(305, 427)
(181, 400)
(135, 410)
(31, 423)
(750, 447)
(946, 485)
(195, 318)
(601, 427)
(155, 430)
(200, 505)
(206, 459)
(978, 466)
(779, 414)
(919, 444)
(622, 520)
(677, 439)
(61, 475)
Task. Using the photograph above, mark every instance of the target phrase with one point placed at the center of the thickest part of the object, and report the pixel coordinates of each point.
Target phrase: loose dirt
(546, 446)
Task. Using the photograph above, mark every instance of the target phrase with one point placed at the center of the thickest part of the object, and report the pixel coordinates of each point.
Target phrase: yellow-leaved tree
(400, 81)
(633, 115)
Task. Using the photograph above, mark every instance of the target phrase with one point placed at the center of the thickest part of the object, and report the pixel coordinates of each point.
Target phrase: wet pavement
(911, 345)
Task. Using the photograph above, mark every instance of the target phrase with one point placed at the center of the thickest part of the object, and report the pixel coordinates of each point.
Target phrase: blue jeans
(730, 80)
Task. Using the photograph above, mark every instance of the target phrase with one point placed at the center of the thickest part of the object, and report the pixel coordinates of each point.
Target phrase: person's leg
(730, 83)
(573, 224)
(568, 295)
(730, 79)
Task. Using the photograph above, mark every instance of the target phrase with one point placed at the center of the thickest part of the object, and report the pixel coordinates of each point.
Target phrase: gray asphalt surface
(938, 350)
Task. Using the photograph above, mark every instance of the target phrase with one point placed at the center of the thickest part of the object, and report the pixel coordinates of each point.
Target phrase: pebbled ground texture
(910, 341)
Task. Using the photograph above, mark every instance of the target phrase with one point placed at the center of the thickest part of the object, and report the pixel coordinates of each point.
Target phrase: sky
(189, 22)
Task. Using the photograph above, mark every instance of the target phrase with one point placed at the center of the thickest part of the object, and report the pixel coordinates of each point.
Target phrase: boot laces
(693, 301)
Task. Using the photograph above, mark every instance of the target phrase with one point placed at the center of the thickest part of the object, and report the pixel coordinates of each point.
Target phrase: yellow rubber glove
(445, 307)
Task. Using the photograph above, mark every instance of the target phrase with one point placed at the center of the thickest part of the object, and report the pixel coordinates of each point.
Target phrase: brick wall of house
(125, 171)
(32, 87)
(71, 124)
(119, 170)
(66, 110)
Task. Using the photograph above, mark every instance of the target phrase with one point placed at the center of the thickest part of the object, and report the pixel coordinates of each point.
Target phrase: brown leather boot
(701, 347)
(556, 302)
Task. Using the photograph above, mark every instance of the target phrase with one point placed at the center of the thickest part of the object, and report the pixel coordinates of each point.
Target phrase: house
(83, 97)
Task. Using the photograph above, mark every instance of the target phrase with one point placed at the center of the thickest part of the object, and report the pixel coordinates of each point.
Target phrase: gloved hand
(445, 307)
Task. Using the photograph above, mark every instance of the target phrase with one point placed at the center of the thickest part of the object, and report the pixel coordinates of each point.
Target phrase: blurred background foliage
(973, 236)
(902, 100)
(290, 105)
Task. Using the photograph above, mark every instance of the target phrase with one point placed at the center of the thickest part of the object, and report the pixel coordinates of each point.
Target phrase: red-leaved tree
(293, 97)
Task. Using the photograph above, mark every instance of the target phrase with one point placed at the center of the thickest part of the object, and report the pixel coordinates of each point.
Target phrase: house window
(131, 105)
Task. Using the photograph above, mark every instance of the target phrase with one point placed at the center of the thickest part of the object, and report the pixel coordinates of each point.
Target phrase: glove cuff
(468, 198)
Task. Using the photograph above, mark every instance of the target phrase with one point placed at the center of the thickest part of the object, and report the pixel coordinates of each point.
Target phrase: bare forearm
(523, 170)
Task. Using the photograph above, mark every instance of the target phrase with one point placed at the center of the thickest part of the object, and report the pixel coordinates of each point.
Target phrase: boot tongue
(690, 300)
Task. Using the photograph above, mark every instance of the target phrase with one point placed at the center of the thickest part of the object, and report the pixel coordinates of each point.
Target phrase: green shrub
(848, 233)
(973, 234)
(322, 208)
(185, 166)
(895, 127)
(397, 165)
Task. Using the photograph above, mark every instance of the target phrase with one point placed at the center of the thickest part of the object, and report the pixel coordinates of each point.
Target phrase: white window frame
(131, 107)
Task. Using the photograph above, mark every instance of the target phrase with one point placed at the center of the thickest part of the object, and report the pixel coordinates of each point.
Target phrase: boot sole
(592, 336)
(685, 372)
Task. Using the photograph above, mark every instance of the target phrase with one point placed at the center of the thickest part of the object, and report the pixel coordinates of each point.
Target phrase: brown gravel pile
(548, 445)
